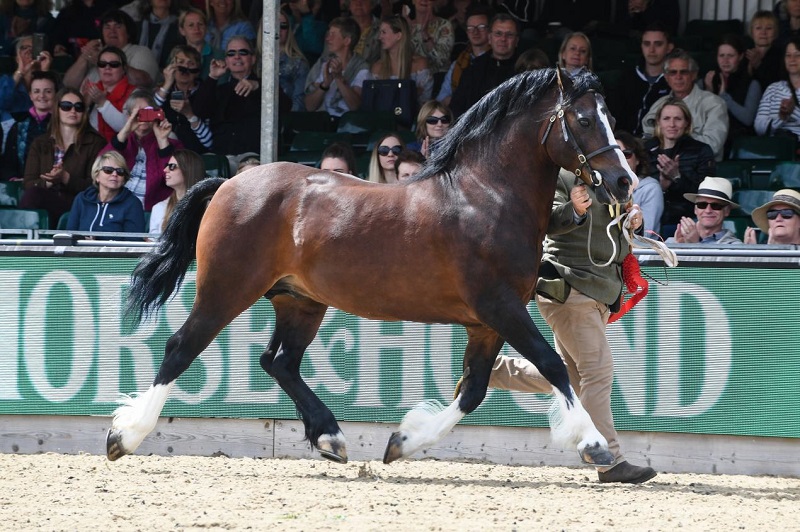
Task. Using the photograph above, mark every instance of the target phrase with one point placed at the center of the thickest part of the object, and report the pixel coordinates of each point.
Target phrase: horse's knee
(280, 366)
(266, 360)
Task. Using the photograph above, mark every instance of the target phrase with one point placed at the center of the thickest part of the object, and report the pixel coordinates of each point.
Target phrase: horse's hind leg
(427, 423)
(214, 308)
(297, 321)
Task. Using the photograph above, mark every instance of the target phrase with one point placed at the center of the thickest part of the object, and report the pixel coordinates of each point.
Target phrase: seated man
(233, 106)
(643, 84)
(712, 204)
(709, 111)
(478, 36)
(492, 68)
(117, 29)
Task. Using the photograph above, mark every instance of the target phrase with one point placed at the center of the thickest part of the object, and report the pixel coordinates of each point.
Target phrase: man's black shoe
(627, 473)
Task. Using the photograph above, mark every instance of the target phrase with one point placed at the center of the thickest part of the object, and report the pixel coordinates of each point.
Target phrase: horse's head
(579, 136)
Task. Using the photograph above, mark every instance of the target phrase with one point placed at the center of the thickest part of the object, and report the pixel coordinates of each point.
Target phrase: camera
(38, 45)
(177, 95)
(148, 114)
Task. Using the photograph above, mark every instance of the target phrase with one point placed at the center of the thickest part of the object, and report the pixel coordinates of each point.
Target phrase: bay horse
(459, 244)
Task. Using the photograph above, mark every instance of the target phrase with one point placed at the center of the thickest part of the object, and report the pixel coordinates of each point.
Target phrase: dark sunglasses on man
(786, 214)
(241, 51)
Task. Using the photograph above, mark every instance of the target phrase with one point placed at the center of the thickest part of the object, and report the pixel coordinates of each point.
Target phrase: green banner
(714, 351)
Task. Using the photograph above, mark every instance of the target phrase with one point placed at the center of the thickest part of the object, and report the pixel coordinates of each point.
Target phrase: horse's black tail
(160, 273)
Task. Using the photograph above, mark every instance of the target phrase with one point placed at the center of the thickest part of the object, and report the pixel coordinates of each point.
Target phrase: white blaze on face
(606, 126)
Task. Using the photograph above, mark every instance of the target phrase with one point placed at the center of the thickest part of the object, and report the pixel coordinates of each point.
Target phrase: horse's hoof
(333, 448)
(596, 455)
(114, 448)
(394, 449)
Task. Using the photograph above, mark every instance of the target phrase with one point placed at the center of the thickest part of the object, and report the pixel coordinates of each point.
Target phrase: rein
(590, 177)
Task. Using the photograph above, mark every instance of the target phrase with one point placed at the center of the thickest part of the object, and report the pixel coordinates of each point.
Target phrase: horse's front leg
(428, 423)
(569, 422)
(296, 323)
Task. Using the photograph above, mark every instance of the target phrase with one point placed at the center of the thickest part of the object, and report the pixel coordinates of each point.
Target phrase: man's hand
(581, 201)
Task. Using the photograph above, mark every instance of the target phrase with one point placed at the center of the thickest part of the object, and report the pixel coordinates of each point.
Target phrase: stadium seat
(737, 172)
(13, 218)
(10, 193)
(296, 121)
(710, 31)
(785, 175)
(217, 165)
(781, 148)
(361, 124)
(749, 200)
(317, 140)
(62, 221)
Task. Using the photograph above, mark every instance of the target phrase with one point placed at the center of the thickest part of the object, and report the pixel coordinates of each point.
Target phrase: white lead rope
(667, 255)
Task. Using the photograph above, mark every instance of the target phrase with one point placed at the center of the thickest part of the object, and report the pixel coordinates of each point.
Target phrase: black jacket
(235, 120)
(484, 74)
(696, 162)
(631, 100)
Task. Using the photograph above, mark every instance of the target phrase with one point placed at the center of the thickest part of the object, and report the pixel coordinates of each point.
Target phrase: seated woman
(679, 162)
(779, 219)
(14, 87)
(433, 121)
(731, 82)
(158, 28)
(779, 109)
(385, 152)
(107, 206)
(398, 60)
(146, 146)
(339, 157)
(176, 94)
(184, 169)
(575, 53)
(192, 26)
(648, 195)
(59, 162)
(292, 65)
(110, 92)
(432, 37)
(43, 96)
(334, 82)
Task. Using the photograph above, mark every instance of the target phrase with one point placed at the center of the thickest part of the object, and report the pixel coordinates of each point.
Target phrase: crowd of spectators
(679, 103)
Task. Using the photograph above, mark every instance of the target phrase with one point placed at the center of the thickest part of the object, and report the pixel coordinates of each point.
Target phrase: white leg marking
(137, 415)
(601, 113)
(572, 426)
(427, 423)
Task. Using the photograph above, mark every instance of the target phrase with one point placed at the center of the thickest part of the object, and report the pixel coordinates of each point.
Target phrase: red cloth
(117, 97)
(635, 284)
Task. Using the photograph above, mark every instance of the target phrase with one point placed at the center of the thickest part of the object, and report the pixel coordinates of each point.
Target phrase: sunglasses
(786, 214)
(384, 150)
(242, 51)
(110, 170)
(187, 70)
(682, 72)
(433, 120)
(172, 166)
(284, 25)
(702, 205)
(69, 106)
(112, 64)
(627, 153)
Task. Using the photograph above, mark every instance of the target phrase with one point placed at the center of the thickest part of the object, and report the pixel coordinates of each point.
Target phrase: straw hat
(788, 196)
(717, 188)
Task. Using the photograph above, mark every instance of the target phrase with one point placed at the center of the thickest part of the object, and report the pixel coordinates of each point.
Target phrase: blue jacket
(123, 214)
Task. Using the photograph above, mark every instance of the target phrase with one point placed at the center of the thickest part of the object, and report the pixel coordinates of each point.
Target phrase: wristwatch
(194, 119)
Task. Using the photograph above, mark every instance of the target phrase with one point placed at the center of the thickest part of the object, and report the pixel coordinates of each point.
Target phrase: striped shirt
(767, 120)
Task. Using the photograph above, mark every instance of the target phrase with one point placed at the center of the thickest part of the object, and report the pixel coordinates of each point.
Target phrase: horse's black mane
(515, 96)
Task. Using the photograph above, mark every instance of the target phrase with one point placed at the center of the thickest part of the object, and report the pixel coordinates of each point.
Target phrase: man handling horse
(580, 282)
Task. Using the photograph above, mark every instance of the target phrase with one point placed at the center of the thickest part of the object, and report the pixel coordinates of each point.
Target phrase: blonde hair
(397, 24)
(376, 174)
(569, 37)
(686, 113)
(116, 158)
(236, 14)
(290, 47)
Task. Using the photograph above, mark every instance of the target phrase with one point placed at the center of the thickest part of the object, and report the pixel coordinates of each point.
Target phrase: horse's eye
(584, 122)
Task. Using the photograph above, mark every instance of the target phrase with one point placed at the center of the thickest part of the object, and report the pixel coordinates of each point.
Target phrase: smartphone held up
(149, 114)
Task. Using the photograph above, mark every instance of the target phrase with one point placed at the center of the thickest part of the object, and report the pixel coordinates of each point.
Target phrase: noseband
(590, 177)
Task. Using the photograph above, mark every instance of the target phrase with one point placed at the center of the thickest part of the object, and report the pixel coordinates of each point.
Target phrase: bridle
(591, 177)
